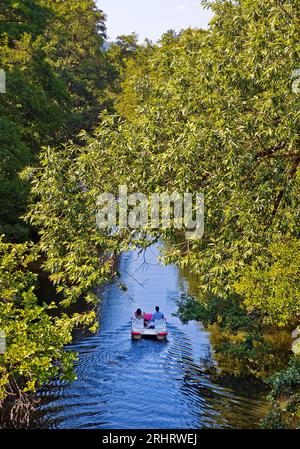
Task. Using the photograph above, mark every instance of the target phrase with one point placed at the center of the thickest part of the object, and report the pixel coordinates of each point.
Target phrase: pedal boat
(145, 327)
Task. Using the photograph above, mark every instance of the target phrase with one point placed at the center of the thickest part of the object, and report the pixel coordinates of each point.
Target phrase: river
(123, 384)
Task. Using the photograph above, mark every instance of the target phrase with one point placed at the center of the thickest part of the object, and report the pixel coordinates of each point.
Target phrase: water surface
(145, 384)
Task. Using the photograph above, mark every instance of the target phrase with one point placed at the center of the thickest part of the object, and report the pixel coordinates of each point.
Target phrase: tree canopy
(56, 75)
(206, 111)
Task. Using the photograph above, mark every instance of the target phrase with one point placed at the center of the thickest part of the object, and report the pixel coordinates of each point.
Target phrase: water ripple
(144, 384)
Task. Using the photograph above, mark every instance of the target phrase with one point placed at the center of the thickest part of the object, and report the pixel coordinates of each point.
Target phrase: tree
(74, 48)
(122, 54)
(206, 111)
(215, 112)
(57, 77)
(32, 110)
(28, 16)
(34, 339)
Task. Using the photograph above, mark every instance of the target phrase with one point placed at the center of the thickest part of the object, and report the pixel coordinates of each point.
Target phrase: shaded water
(145, 384)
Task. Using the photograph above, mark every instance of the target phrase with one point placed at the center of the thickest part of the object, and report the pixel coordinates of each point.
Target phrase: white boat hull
(139, 329)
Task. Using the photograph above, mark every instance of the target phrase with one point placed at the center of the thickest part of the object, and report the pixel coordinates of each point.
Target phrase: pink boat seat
(148, 316)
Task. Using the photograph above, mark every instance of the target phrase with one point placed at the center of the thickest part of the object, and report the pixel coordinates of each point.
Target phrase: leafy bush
(285, 397)
(243, 345)
(34, 340)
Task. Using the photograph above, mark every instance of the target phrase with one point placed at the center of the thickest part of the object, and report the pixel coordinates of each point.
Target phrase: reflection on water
(145, 384)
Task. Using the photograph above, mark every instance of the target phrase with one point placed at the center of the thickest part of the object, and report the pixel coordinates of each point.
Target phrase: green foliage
(34, 340)
(32, 109)
(123, 55)
(214, 112)
(273, 287)
(284, 382)
(57, 78)
(26, 16)
(285, 398)
(124, 48)
(230, 315)
(65, 188)
(243, 346)
(74, 48)
(203, 111)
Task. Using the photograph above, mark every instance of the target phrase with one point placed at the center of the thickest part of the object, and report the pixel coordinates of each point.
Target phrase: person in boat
(157, 315)
(138, 314)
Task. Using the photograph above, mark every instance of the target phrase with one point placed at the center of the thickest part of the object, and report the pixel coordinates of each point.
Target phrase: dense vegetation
(57, 74)
(202, 111)
(59, 79)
